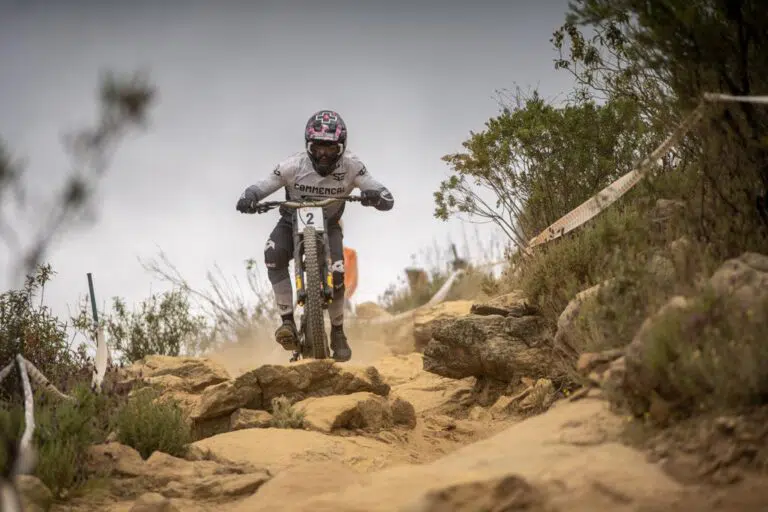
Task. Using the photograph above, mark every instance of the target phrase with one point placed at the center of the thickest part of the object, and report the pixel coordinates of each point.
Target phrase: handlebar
(313, 202)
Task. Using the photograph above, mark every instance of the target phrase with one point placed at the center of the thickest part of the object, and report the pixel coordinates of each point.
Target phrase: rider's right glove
(247, 202)
(370, 197)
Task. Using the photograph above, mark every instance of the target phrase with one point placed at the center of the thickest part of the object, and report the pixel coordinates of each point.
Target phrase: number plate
(311, 216)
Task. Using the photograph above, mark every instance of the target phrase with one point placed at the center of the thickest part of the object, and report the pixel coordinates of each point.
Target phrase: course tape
(606, 197)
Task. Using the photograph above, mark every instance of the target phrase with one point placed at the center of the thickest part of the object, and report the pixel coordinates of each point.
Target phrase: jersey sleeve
(270, 184)
(364, 181)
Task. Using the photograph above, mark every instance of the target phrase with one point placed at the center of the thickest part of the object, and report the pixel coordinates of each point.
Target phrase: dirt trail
(434, 435)
(570, 456)
(569, 453)
(458, 456)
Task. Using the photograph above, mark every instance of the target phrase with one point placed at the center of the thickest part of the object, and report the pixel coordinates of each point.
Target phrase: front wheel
(313, 307)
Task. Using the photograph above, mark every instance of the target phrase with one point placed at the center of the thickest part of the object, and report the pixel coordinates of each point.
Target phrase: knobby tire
(313, 309)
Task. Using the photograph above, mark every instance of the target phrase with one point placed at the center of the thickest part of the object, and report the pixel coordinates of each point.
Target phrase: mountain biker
(324, 168)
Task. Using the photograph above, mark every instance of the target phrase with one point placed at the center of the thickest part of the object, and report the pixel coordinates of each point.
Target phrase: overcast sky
(236, 83)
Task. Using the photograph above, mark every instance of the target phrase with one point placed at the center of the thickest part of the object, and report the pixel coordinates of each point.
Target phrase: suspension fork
(328, 281)
(298, 263)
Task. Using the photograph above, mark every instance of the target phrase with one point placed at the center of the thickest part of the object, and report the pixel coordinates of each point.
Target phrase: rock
(430, 392)
(153, 502)
(614, 375)
(35, 496)
(114, 459)
(568, 339)
(572, 454)
(314, 377)
(193, 374)
(739, 284)
(492, 346)
(302, 482)
(249, 418)
(400, 369)
(403, 412)
(745, 280)
(355, 411)
(640, 379)
(424, 320)
(166, 382)
(510, 304)
(535, 398)
(201, 479)
(277, 448)
(504, 406)
(540, 398)
(509, 492)
(209, 409)
(591, 361)
(174, 477)
(355, 379)
(223, 398)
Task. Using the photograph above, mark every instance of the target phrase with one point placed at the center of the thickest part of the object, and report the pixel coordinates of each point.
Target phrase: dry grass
(284, 415)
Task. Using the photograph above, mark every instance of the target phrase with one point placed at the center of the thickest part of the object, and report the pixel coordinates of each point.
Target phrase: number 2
(310, 216)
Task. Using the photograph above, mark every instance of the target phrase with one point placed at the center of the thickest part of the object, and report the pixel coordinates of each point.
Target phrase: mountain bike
(312, 269)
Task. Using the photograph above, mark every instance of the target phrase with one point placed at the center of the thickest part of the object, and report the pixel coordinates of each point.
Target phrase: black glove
(247, 202)
(370, 197)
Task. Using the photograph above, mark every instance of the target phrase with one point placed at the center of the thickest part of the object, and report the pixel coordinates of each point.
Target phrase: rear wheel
(313, 308)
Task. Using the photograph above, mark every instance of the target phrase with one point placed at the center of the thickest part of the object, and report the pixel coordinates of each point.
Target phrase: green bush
(148, 424)
(63, 432)
(559, 270)
(29, 328)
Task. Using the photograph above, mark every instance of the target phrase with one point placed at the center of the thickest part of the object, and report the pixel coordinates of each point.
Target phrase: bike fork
(328, 273)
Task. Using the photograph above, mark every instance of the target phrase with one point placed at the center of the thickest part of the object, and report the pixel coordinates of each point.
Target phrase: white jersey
(300, 181)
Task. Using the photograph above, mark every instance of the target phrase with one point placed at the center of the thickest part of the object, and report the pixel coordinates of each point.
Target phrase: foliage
(711, 354)
(235, 316)
(28, 327)
(31, 329)
(537, 161)
(64, 430)
(285, 415)
(148, 424)
(588, 257)
(687, 49)
(162, 325)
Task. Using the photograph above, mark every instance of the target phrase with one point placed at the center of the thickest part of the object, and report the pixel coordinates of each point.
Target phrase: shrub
(149, 424)
(63, 432)
(28, 327)
(710, 355)
(284, 415)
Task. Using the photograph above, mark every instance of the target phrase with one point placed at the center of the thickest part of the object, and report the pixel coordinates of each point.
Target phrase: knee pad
(275, 258)
(337, 271)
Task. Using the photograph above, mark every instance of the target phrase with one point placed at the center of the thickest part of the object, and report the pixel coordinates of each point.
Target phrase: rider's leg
(339, 345)
(278, 252)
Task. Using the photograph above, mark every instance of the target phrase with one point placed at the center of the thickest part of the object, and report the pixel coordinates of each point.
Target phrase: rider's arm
(268, 185)
(364, 181)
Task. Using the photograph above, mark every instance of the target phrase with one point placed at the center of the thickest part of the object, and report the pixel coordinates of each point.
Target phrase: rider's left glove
(247, 202)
